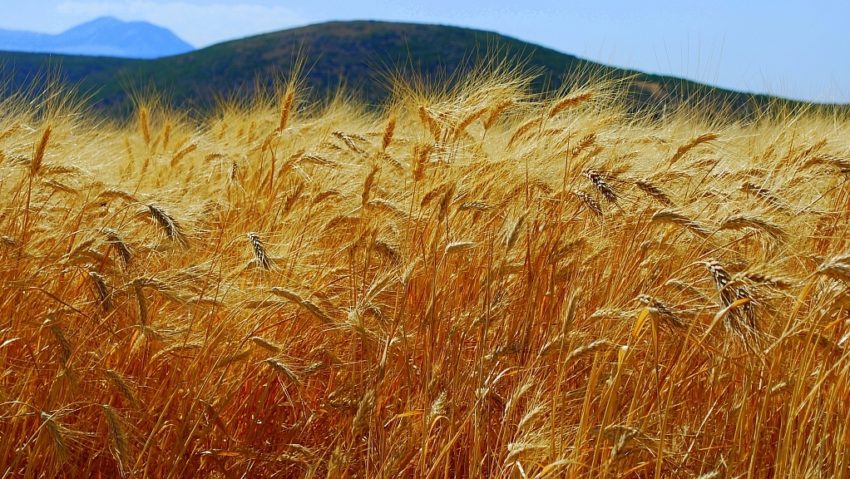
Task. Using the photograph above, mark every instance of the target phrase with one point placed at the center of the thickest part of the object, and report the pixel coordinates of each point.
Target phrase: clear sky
(794, 48)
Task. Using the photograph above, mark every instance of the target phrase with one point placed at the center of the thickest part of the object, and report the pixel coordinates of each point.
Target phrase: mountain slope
(357, 54)
(105, 36)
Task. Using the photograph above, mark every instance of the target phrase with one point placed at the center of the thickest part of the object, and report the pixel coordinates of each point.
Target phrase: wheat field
(475, 283)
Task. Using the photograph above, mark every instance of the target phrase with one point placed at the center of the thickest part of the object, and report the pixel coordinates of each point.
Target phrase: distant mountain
(105, 36)
(356, 55)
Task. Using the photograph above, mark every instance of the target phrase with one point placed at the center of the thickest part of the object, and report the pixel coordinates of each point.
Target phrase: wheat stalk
(119, 443)
(308, 305)
(285, 110)
(524, 128)
(104, 296)
(368, 183)
(169, 226)
(429, 122)
(496, 111)
(284, 368)
(569, 102)
(420, 158)
(690, 145)
(57, 436)
(260, 256)
(389, 131)
(182, 153)
(602, 186)
(144, 125)
(736, 222)
(469, 119)
(120, 247)
(122, 386)
(654, 192)
(672, 217)
(266, 344)
(38, 153)
(589, 202)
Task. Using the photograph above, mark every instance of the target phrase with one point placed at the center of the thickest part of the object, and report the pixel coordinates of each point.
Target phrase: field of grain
(480, 283)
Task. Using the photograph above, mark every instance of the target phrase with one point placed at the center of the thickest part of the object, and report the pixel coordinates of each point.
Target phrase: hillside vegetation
(477, 283)
(360, 56)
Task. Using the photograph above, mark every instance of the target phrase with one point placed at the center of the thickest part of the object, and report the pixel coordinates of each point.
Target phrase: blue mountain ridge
(105, 36)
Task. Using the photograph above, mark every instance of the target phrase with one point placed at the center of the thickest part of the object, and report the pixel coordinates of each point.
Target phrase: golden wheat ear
(40, 149)
(169, 226)
(654, 192)
(120, 247)
(690, 145)
(389, 131)
(261, 257)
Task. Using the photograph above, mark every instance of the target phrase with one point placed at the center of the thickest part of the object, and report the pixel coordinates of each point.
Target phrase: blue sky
(793, 48)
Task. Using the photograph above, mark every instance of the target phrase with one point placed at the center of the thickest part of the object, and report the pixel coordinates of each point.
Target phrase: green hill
(358, 53)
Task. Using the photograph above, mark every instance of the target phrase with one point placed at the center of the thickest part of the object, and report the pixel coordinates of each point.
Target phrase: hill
(358, 53)
(105, 36)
